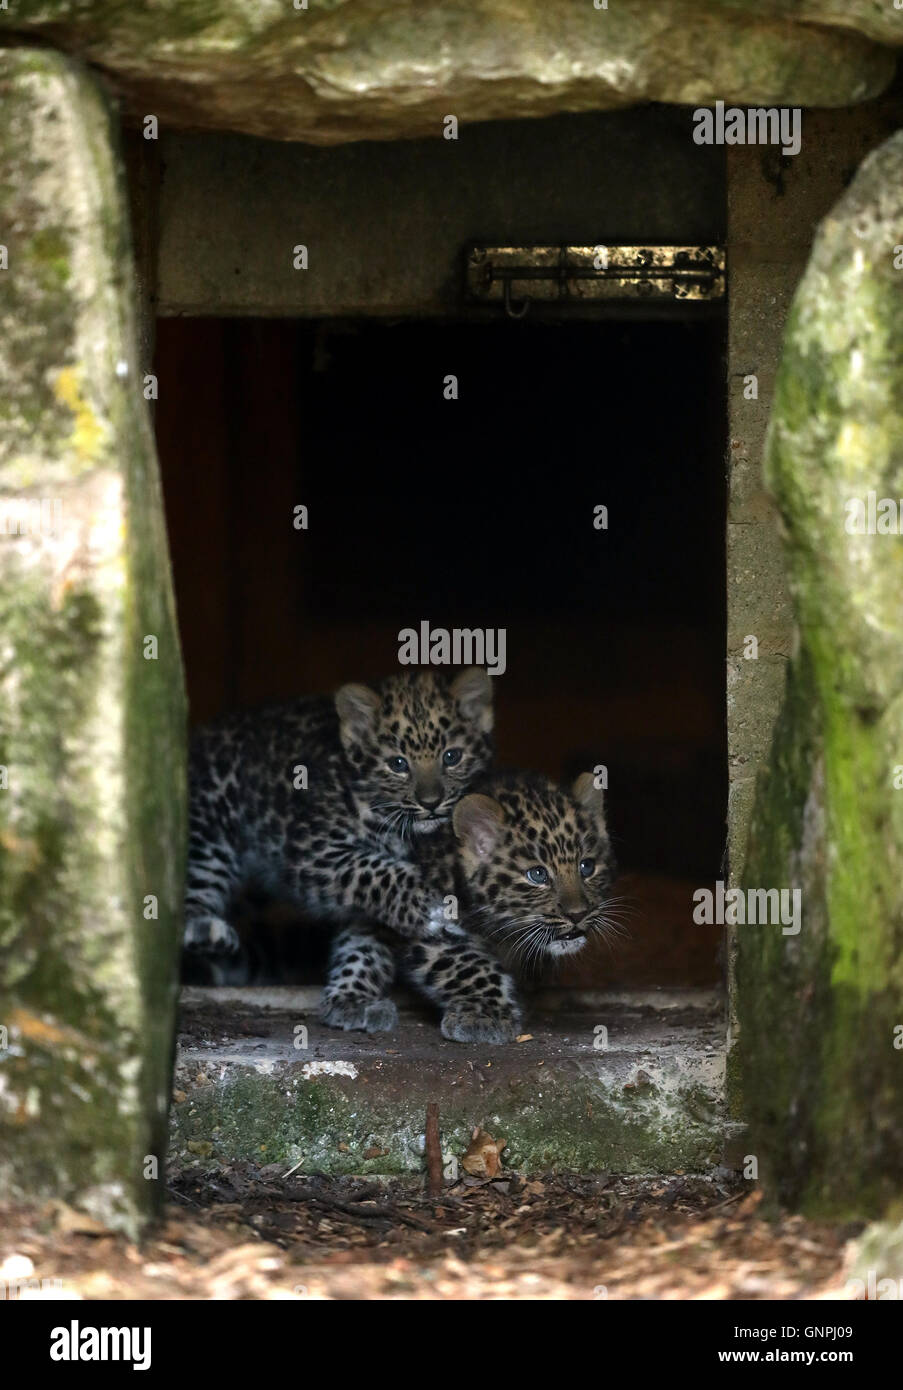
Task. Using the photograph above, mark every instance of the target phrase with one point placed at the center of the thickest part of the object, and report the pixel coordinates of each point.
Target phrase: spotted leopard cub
(531, 867)
(326, 803)
(534, 869)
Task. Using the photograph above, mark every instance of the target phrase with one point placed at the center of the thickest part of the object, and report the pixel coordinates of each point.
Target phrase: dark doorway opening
(477, 512)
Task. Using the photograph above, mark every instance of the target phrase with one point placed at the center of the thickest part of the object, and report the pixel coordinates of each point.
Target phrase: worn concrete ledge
(648, 1101)
(306, 998)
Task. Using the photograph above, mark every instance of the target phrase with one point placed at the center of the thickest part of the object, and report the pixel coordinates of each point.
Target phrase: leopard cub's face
(538, 864)
(415, 744)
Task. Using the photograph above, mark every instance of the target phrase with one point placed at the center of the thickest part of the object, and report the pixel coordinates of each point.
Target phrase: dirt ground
(251, 1233)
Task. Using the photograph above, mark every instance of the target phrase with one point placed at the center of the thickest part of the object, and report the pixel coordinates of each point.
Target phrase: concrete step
(626, 1083)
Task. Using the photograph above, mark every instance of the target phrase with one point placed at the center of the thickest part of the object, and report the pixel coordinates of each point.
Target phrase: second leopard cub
(382, 769)
(531, 867)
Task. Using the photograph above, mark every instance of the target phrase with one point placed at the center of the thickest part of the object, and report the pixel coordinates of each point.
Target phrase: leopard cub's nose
(429, 803)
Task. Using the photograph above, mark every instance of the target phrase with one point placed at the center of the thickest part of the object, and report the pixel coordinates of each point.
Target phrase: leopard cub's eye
(537, 874)
(587, 868)
(398, 764)
(452, 756)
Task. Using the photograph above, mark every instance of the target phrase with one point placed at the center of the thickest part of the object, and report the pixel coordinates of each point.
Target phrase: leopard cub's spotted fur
(531, 867)
(384, 768)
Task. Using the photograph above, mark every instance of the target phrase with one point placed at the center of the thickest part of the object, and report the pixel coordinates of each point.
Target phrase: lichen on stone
(376, 69)
(820, 1070)
(92, 735)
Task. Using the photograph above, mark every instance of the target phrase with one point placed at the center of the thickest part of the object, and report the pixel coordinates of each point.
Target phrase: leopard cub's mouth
(567, 943)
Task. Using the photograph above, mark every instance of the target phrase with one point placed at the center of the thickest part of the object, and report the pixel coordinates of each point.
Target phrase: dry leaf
(68, 1221)
(483, 1158)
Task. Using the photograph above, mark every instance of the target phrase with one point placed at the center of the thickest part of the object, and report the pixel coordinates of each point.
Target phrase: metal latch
(516, 275)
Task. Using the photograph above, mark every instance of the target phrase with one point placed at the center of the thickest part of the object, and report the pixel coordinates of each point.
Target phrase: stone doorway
(472, 512)
(97, 729)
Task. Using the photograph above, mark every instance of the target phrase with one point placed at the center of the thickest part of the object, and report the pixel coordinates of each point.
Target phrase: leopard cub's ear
(591, 798)
(357, 707)
(478, 822)
(472, 690)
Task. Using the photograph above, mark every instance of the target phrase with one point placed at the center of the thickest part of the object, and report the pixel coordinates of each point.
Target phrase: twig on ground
(433, 1150)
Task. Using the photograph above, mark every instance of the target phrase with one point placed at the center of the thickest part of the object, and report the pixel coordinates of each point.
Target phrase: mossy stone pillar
(92, 712)
(821, 1010)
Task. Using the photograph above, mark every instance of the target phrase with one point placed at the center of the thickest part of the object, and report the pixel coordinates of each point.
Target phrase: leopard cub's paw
(436, 920)
(473, 1023)
(363, 1015)
(211, 935)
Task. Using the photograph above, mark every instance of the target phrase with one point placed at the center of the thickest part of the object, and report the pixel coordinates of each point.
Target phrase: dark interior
(477, 512)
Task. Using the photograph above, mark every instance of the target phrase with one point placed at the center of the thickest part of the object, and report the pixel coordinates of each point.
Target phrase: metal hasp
(514, 276)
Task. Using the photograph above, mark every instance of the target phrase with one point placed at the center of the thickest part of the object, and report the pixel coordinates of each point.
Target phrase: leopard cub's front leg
(478, 999)
(361, 969)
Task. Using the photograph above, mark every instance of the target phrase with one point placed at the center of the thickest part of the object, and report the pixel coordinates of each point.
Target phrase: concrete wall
(386, 224)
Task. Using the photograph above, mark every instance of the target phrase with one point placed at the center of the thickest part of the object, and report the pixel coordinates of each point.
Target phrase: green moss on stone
(93, 736)
(876, 18)
(821, 1078)
(329, 1125)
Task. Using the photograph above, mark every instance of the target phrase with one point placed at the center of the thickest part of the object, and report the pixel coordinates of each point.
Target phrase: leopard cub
(531, 868)
(536, 863)
(326, 802)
